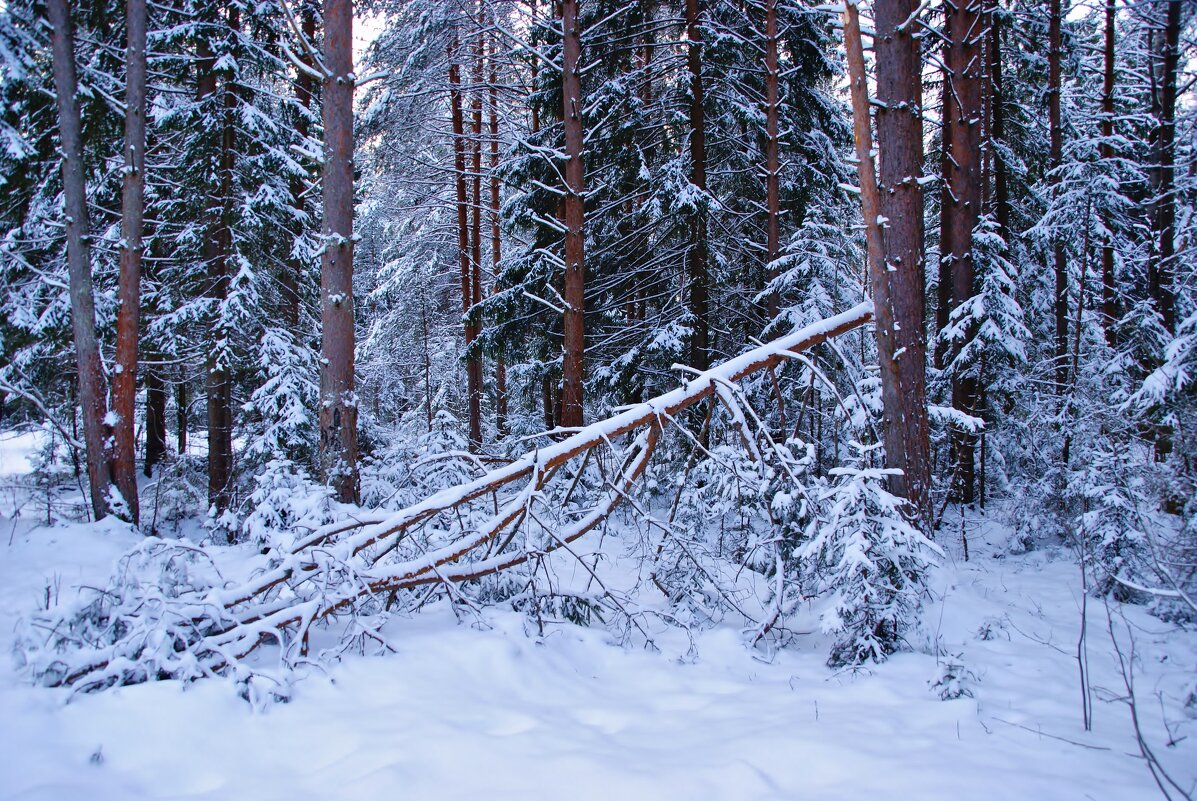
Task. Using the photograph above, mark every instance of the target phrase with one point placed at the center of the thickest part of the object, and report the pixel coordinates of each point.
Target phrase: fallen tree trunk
(206, 630)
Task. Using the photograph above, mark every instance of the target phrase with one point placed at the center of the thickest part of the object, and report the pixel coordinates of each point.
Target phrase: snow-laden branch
(133, 632)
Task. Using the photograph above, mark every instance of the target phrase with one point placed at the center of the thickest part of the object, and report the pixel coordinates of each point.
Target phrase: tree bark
(997, 125)
(902, 347)
(124, 383)
(338, 406)
(496, 244)
(474, 360)
(217, 243)
(700, 338)
(181, 416)
(1164, 219)
(772, 161)
(457, 120)
(155, 417)
(573, 211)
(1056, 133)
(546, 382)
(1109, 289)
(960, 208)
(93, 383)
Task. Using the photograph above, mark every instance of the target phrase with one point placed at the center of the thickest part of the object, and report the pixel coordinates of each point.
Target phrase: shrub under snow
(872, 561)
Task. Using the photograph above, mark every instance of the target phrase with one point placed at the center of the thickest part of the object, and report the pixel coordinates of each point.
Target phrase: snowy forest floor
(485, 708)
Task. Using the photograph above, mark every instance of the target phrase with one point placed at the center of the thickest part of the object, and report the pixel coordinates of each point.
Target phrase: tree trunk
(216, 252)
(93, 384)
(1109, 289)
(700, 338)
(960, 208)
(463, 214)
(901, 342)
(338, 400)
(496, 244)
(997, 125)
(546, 382)
(474, 360)
(293, 270)
(181, 416)
(1056, 132)
(573, 209)
(1164, 219)
(124, 383)
(772, 168)
(155, 417)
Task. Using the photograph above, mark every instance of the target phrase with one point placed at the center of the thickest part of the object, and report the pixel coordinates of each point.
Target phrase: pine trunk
(1109, 289)
(772, 161)
(573, 212)
(124, 382)
(902, 349)
(1056, 134)
(474, 360)
(155, 417)
(181, 416)
(93, 383)
(338, 399)
(463, 210)
(1164, 219)
(697, 272)
(496, 243)
(960, 207)
(997, 125)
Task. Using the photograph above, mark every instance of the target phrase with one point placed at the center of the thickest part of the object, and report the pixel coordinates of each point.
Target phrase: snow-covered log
(197, 630)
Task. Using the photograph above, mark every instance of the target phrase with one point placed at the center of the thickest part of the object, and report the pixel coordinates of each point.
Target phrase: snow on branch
(185, 621)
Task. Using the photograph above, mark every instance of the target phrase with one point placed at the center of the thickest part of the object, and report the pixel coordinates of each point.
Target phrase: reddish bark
(124, 382)
(338, 398)
(960, 209)
(573, 213)
(870, 202)
(902, 350)
(496, 244)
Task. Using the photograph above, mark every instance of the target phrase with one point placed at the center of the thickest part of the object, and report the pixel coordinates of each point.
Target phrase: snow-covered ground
(478, 709)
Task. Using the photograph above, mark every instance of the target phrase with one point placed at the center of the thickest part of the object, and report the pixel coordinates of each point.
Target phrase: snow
(485, 710)
(16, 452)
